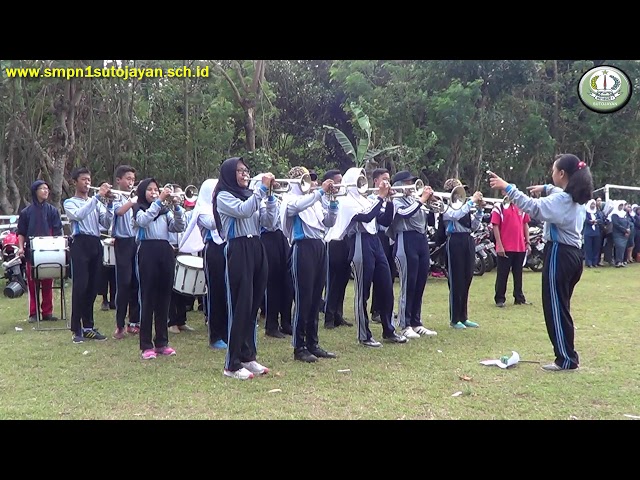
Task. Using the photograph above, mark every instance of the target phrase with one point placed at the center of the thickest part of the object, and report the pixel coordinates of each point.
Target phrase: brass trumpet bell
(191, 193)
(340, 189)
(402, 190)
(283, 185)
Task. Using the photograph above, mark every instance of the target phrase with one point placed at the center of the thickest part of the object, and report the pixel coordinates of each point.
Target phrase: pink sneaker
(148, 354)
(165, 351)
(119, 334)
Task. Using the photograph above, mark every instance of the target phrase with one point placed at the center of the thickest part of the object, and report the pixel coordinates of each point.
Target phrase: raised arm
(234, 207)
(176, 220)
(370, 213)
(76, 213)
(302, 202)
(386, 218)
(145, 217)
(330, 214)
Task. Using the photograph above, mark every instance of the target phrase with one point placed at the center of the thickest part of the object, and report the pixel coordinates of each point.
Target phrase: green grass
(44, 376)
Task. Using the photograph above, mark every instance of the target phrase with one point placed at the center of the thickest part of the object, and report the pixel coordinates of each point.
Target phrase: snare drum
(108, 252)
(49, 257)
(189, 277)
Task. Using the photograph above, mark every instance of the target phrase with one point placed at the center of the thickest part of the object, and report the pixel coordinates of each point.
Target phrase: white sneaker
(242, 374)
(409, 333)
(424, 331)
(255, 367)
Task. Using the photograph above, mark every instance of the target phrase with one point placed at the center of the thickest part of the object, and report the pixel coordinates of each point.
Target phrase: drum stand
(63, 301)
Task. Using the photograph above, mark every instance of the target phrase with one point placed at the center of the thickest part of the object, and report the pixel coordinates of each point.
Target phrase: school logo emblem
(604, 89)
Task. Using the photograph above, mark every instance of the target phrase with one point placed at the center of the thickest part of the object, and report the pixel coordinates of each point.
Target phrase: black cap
(403, 176)
(313, 175)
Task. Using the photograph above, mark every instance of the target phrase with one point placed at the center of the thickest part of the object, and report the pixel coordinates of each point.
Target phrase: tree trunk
(63, 137)
(5, 205)
(248, 98)
(185, 121)
(11, 182)
(250, 128)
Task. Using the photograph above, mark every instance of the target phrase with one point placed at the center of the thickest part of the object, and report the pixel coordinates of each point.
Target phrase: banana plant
(363, 155)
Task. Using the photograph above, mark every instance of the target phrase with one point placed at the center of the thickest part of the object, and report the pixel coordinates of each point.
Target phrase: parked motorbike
(13, 265)
(437, 256)
(535, 260)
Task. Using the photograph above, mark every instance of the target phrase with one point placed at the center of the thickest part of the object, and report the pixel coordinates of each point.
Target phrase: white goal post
(608, 187)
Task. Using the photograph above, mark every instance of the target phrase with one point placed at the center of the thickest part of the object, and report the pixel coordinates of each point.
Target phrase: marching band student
(155, 264)
(238, 216)
(304, 221)
(86, 214)
(125, 251)
(107, 284)
(409, 230)
(380, 175)
(179, 301)
(40, 219)
(338, 270)
(357, 223)
(562, 210)
(461, 253)
(202, 235)
(279, 294)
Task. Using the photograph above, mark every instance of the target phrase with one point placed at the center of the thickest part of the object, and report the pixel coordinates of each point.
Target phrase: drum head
(190, 261)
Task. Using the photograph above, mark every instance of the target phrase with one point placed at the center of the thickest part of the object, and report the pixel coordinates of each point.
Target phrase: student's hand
(496, 182)
(535, 190)
(105, 190)
(383, 189)
(327, 185)
(477, 198)
(500, 250)
(267, 179)
(528, 249)
(164, 194)
(427, 192)
(20, 252)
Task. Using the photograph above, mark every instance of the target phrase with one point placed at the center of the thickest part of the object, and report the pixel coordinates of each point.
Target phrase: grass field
(44, 376)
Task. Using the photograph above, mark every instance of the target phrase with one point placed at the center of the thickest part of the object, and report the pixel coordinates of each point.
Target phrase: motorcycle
(13, 265)
(437, 256)
(535, 260)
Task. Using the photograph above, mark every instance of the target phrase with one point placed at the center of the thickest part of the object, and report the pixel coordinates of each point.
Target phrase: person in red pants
(40, 219)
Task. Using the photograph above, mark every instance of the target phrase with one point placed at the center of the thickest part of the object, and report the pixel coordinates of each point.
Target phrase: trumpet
(283, 185)
(340, 189)
(454, 200)
(191, 193)
(174, 198)
(505, 202)
(131, 194)
(403, 190)
(106, 199)
(436, 204)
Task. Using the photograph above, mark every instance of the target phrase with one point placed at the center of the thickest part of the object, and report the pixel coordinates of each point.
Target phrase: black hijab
(227, 183)
(141, 198)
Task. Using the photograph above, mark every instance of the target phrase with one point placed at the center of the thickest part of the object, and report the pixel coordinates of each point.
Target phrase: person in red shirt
(511, 230)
